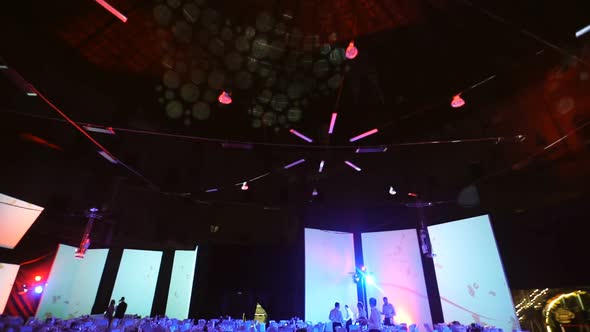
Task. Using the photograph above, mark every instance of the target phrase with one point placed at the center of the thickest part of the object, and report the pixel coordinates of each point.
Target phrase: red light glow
(38, 278)
(225, 98)
(413, 194)
(457, 101)
(351, 51)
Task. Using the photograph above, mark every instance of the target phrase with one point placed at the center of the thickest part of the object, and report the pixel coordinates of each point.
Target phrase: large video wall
(393, 259)
(137, 279)
(470, 275)
(329, 266)
(8, 274)
(183, 274)
(72, 283)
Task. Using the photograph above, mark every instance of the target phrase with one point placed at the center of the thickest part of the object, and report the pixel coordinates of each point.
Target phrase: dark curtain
(25, 304)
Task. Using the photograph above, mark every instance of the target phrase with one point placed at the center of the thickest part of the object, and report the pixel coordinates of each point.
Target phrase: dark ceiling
(414, 56)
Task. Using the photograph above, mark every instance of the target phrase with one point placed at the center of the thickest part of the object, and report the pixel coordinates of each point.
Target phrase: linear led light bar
(353, 166)
(112, 9)
(97, 129)
(241, 146)
(371, 150)
(321, 169)
(332, 123)
(107, 156)
(295, 163)
(300, 135)
(212, 190)
(582, 31)
(363, 135)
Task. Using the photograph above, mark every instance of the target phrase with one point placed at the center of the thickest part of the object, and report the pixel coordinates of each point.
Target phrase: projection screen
(393, 259)
(16, 217)
(136, 280)
(329, 266)
(470, 274)
(181, 283)
(8, 274)
(72, 283)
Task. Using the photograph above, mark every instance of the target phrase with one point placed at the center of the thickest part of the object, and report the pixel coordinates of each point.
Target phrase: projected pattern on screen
(181, 284)
(470, 275)
(136, 280)
(8, 274)
(72, 283)
(16, 217)
(394, 259)
(329, 262)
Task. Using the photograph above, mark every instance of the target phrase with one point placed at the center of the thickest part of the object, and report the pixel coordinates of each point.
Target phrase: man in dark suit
(121, 308)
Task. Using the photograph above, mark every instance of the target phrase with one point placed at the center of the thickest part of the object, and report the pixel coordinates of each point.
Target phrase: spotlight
(300, 135)
(363, 268)
(392, 191)
(225, 98)
(245, 186)
(363, 135)
(457, 101)
(370, 279)
(356, 278)
(37, 278)
(39, 289)
(353, 166)
(351, 51)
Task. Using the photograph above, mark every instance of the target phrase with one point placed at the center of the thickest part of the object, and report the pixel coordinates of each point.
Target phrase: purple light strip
(355, 167)
(321, 166)
(211, 190)
(332, 123)
(371, 150)
(294, 163)
(363, 135)
(300, 135)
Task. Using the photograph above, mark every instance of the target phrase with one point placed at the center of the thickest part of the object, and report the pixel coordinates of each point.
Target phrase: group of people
(373, 321)
(116, 311)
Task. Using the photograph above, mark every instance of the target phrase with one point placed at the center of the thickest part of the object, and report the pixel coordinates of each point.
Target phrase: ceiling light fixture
(111, 9)
(457, 101)
(332, 123)
(107, 156)
(351, 51)
(392, 191)
(225, 98)
(353, 166)
(245, 186)
(300, 135)
(212, 190)
(363, 135)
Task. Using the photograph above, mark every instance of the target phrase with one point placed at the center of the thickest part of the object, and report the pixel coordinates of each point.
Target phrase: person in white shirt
(348, 317)
(388, 311)
(336, 317)
(361, 317)
(374, 316)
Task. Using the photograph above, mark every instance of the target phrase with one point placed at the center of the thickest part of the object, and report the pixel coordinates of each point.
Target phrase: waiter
(388, 311)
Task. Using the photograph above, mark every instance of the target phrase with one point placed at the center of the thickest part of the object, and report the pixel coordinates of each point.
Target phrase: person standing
(374, 316)
(361, 318)
(121, 308)
(388, 311)
(110, 312)
(336, 317)
(348, 317)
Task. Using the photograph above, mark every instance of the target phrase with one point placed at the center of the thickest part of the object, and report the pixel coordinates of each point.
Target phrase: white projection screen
(72, 283)
(329, 265)
(394, 259)
(16, 217)
(470, 274)
(136, 280)
(181, 283)
(7, 276)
